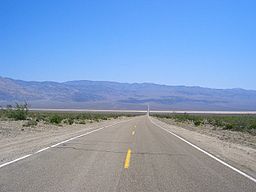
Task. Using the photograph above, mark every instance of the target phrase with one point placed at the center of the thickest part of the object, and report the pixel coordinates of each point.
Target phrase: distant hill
(112, 95)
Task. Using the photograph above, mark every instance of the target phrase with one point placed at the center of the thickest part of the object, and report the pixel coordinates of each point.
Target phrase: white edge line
(70, 139)
(65, 141)
(13, 161)
(205, 152)
(41, 150)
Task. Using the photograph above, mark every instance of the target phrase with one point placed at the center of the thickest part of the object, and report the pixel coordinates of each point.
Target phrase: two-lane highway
(131, 156)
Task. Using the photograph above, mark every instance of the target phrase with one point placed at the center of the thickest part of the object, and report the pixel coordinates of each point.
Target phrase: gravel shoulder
(17, 141)
(236, 148)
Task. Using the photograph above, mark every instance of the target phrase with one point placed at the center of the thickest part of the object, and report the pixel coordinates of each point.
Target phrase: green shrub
(55, 119)
(197, 123)
(70, 121)
(217, 123)
(20, 112)
(229, 126)
(104, 118)
(81, 121)
(252, 126)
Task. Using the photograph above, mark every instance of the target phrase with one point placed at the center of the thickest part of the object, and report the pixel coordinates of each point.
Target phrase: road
(135, 155)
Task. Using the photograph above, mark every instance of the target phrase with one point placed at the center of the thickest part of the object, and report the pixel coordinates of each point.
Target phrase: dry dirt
(237, 137)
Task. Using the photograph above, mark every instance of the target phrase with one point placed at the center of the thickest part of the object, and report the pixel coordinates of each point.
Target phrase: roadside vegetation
(20, 112)
(242, 123)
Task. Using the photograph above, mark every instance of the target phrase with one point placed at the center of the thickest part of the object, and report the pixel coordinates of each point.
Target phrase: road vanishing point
(133, 155)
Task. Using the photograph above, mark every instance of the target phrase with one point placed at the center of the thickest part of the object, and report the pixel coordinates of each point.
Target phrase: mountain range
(86, 94)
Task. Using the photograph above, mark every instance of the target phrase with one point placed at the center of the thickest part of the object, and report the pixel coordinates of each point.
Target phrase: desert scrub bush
(242, 123)
(71, 117)
(55, 119)
(19, 112)
(2, 113)
(81, 121)
(197, 123)
(30, 123)
(229, 126)
(253, 126)
(216, 122)
(104, 118)
(70, 121)
(38, 116)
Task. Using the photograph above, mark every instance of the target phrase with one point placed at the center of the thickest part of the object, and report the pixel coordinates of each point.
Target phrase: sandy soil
(242, 138)
(16, 140)
(236, 148)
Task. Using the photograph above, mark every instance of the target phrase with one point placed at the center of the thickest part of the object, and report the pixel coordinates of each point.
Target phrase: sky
(195, 43)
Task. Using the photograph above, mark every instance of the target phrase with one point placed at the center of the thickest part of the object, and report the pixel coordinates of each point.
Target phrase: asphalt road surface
(131, 156)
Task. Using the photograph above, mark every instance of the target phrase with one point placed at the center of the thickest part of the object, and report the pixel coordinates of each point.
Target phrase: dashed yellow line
(133, 133)
(127, 159)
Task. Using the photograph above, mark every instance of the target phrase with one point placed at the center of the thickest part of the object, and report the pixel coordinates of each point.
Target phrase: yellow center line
(127, 159)
(133, 133)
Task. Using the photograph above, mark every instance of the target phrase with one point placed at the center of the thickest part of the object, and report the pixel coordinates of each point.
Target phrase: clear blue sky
(205, 43)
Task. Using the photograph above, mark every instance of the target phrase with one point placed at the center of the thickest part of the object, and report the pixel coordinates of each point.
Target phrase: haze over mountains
(112, 95)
